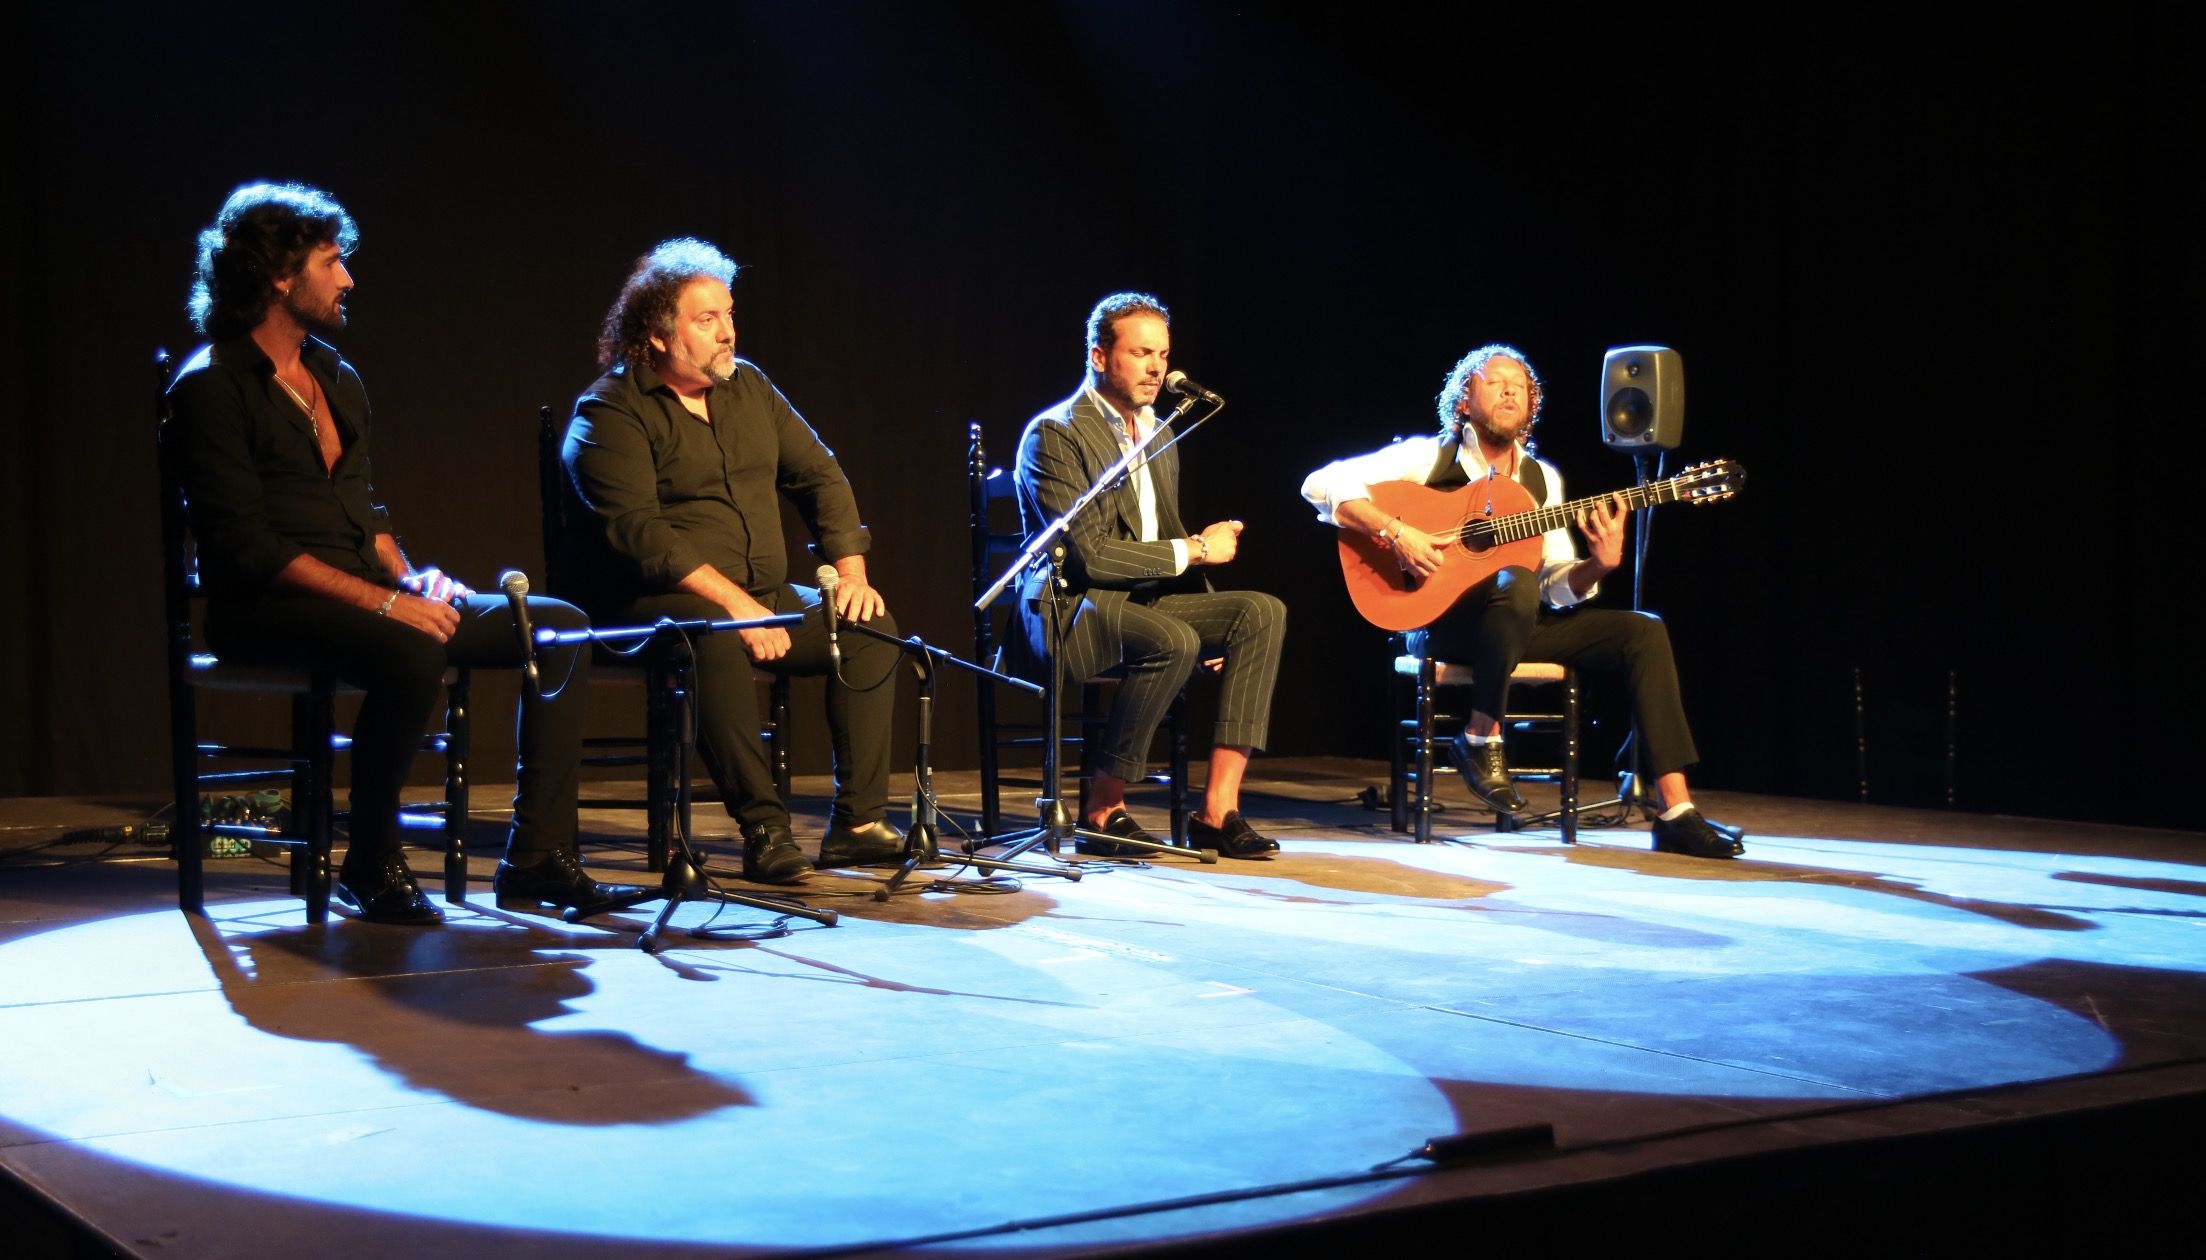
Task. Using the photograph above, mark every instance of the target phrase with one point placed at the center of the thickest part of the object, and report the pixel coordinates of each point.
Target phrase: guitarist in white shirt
(1486, 411)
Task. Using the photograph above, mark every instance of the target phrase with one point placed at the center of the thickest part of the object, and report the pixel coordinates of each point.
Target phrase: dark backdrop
(1934, 286)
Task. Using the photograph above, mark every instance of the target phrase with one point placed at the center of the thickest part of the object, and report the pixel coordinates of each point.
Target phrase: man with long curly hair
(269, 431)
(679, 457)
(1486, 412)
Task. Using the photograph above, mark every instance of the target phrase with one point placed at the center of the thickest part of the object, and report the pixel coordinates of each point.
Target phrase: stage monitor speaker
(1642, 398)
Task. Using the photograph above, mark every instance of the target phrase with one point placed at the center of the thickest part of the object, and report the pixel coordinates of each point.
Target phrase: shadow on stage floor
(1881, 1025)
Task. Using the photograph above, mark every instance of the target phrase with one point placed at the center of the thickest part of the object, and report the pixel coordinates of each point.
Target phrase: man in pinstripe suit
(1133, 595)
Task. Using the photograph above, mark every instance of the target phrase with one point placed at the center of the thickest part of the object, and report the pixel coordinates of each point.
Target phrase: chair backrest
(991, 498)
(552, 501)
(179, 556)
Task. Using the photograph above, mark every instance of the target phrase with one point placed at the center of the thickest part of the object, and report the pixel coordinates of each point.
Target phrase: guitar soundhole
(1478, 536)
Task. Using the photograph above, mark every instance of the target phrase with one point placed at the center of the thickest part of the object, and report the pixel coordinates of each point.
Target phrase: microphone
(829, 580)
(1179, 383)
(516, 586)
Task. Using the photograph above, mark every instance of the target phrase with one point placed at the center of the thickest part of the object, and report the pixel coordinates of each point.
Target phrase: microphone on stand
(516, 586)
(1180, 383)
(829, 580)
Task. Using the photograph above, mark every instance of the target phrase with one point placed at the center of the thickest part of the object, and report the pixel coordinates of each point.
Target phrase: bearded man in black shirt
(269, 430)
(679, 457)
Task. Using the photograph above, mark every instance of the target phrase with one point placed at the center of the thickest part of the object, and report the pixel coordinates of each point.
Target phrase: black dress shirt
(663, 493)
(253, 478)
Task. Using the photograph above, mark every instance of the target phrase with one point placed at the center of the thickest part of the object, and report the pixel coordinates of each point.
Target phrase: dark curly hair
(1103, 320)
(1474, 364)
(647, 303)
(263, 235)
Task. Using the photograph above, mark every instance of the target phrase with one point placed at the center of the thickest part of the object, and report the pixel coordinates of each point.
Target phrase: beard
(328, 317)
(1494, 432)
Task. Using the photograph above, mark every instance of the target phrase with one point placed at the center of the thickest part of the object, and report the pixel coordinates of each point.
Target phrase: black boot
(1486, 774)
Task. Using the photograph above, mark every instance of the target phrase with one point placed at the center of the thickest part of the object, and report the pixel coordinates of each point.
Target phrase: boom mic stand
(920, 837)
(1055, 823)
(685, 879)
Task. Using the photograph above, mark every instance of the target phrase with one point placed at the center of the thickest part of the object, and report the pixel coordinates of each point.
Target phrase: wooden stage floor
(1878, 1013)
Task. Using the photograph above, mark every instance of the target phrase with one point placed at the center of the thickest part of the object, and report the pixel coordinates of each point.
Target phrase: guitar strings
(1523, 525)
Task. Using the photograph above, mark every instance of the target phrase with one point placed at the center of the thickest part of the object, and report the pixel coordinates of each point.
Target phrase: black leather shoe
(1694, 836)
(1236, 839)
(383, 891)
(771, 855)
(874, 844)
(553, 879)
(1486, 774)
(1120, 823)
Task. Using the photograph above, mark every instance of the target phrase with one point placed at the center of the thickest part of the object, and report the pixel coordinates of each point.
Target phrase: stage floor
(1156, 1055)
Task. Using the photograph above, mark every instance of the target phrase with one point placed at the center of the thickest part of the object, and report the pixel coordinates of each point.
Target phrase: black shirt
(662, 492)
(253, 478)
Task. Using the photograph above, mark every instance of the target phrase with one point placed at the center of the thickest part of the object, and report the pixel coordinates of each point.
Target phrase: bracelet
(390, 600)
(1203, 543)
(1394, 525)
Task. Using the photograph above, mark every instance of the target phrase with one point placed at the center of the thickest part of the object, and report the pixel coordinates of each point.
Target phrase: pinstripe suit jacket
(1062, 452)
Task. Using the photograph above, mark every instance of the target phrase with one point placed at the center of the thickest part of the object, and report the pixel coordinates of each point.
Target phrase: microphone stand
(1055, 823)
(920, 837)
(685, 879)
(1631, 787)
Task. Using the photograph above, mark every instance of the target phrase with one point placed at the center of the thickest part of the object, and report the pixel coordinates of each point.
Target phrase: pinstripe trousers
(1162, 640)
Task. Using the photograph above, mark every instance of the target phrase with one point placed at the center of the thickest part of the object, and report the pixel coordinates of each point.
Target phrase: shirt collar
(1472, 456)
(1145, 421)
(242, 351)
(647, 378)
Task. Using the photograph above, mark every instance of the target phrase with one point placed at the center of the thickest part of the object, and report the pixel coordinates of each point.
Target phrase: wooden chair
(666, 702)
(1418, 729)
(997, 540)
(306, 763)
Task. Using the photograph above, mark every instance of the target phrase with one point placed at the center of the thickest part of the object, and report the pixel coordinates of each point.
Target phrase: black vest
(1447, 472)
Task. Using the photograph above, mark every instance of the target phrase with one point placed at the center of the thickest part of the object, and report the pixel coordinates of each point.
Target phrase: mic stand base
(685, 879)
(685, 882)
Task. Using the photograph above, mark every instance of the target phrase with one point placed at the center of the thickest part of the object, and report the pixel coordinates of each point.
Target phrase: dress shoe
(1236, 839)
(1122, 824)
(383, 890)
(771, 855)
(873, 844)
(1486, 774)
(552, 879)
(1694, 836)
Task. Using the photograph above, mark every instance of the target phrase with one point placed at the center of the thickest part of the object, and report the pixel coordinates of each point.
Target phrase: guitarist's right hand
(1419, 552)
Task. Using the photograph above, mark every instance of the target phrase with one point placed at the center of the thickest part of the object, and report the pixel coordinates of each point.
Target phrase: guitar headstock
(1712, 482)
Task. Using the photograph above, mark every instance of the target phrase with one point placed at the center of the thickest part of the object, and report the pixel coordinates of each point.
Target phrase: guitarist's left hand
(1603, 526)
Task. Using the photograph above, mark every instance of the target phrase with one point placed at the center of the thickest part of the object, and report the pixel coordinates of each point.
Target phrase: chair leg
(185, 841)
(1091, 734)
(1401, 724)
(1569, 807)
(991, 764)
(660, 734)
(778, 734)
(459, 734)
(320, 728)
(1177, 716)
(1423, 806)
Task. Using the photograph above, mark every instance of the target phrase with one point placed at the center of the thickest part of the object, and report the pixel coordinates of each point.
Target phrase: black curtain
(1934, 286)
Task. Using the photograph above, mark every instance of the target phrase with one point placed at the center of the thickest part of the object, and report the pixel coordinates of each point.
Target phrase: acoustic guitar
(1488, 525)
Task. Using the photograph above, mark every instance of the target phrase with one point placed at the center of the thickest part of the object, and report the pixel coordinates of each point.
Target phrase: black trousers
(1500, 622)
(1160, 641)
(860, 708)
(400, 672)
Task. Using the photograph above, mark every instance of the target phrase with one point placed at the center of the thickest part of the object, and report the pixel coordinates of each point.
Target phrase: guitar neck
(1508, 529)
